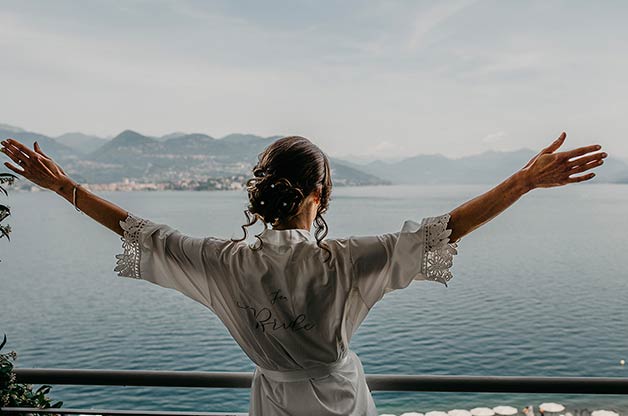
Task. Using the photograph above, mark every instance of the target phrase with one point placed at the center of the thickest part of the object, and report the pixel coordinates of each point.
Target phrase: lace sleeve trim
(128, 263)
(439, 251)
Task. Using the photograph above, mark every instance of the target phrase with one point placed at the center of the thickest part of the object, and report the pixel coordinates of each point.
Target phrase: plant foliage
(5, 210)
(13, 394)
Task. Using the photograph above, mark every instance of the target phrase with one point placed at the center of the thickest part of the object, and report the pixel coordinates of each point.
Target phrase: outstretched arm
(40, 169)
(546, 169)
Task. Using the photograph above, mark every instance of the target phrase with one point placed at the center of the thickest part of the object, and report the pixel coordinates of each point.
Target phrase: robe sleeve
(419, 251)
(162, 255)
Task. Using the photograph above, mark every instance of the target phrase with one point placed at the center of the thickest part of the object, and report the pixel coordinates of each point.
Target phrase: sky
(370, 79)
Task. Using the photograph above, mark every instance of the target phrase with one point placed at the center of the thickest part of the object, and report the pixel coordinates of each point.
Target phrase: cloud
(389, 77)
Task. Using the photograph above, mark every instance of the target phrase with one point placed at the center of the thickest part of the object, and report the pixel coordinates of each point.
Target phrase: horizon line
(373, 157)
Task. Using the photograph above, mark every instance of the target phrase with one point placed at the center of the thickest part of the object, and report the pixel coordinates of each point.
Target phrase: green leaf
(4, 232)
(7, 177)
(5, 211)
(43, 389)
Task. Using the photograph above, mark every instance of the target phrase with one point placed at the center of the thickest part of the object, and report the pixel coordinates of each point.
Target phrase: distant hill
(343, 174)
(82, 143)
(174, 157)
(182, 156)
(195, 155)
(6, 127)
(49, 145)
(489, 167)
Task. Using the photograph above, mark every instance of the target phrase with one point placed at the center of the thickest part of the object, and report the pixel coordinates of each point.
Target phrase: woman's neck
(302, 220)
(299, 221)
(292, 225)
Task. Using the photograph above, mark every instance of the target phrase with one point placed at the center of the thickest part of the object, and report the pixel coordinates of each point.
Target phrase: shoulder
(340, 245)
(337, 243)
(224, 245)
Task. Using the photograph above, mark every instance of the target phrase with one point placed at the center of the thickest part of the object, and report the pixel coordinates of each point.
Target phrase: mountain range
(181, 156)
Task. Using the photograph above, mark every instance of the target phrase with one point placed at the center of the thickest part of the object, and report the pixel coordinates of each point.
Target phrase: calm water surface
(540, 290)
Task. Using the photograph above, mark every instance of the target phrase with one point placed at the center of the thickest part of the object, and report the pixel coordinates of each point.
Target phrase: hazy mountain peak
(14, 129)
(81, 142)
(131, 137)
(129, 132)
(74, 134)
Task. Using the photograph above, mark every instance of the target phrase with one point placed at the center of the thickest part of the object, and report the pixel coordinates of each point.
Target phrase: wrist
(64, 186)
(522, 181)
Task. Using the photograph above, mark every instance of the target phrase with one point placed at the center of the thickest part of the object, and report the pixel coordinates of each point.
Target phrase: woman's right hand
(36, 166)
(548, 169)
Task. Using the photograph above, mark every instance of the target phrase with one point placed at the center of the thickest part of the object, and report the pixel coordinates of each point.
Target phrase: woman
(291, 299)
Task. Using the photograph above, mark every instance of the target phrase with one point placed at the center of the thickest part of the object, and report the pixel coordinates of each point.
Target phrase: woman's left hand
(36, 166)
(548, 169)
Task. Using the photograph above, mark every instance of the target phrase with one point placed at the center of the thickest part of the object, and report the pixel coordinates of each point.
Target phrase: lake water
(540, 290)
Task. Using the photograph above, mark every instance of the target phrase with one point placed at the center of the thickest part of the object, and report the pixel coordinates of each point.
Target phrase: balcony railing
(376, 382)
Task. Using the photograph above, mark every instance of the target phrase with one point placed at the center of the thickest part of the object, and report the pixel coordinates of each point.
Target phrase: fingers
(38, 149)
(584, 163)
(13, 168)
(556, 144)
(586, 159)
(14, 152)
(580, 178)
(580, 151)
(24, 149)
(15, 155)
(586, 166)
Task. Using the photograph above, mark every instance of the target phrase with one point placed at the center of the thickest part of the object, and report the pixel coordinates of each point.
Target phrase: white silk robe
(292, 313)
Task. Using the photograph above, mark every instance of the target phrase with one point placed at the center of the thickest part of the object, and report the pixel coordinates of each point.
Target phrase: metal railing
(376, 382)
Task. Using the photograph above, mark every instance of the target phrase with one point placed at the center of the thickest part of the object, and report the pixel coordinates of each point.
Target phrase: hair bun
(273, 198)
(286, 172)
(260, 171)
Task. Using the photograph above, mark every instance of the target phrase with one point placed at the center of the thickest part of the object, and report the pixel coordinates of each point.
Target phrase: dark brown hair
(287, 171)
